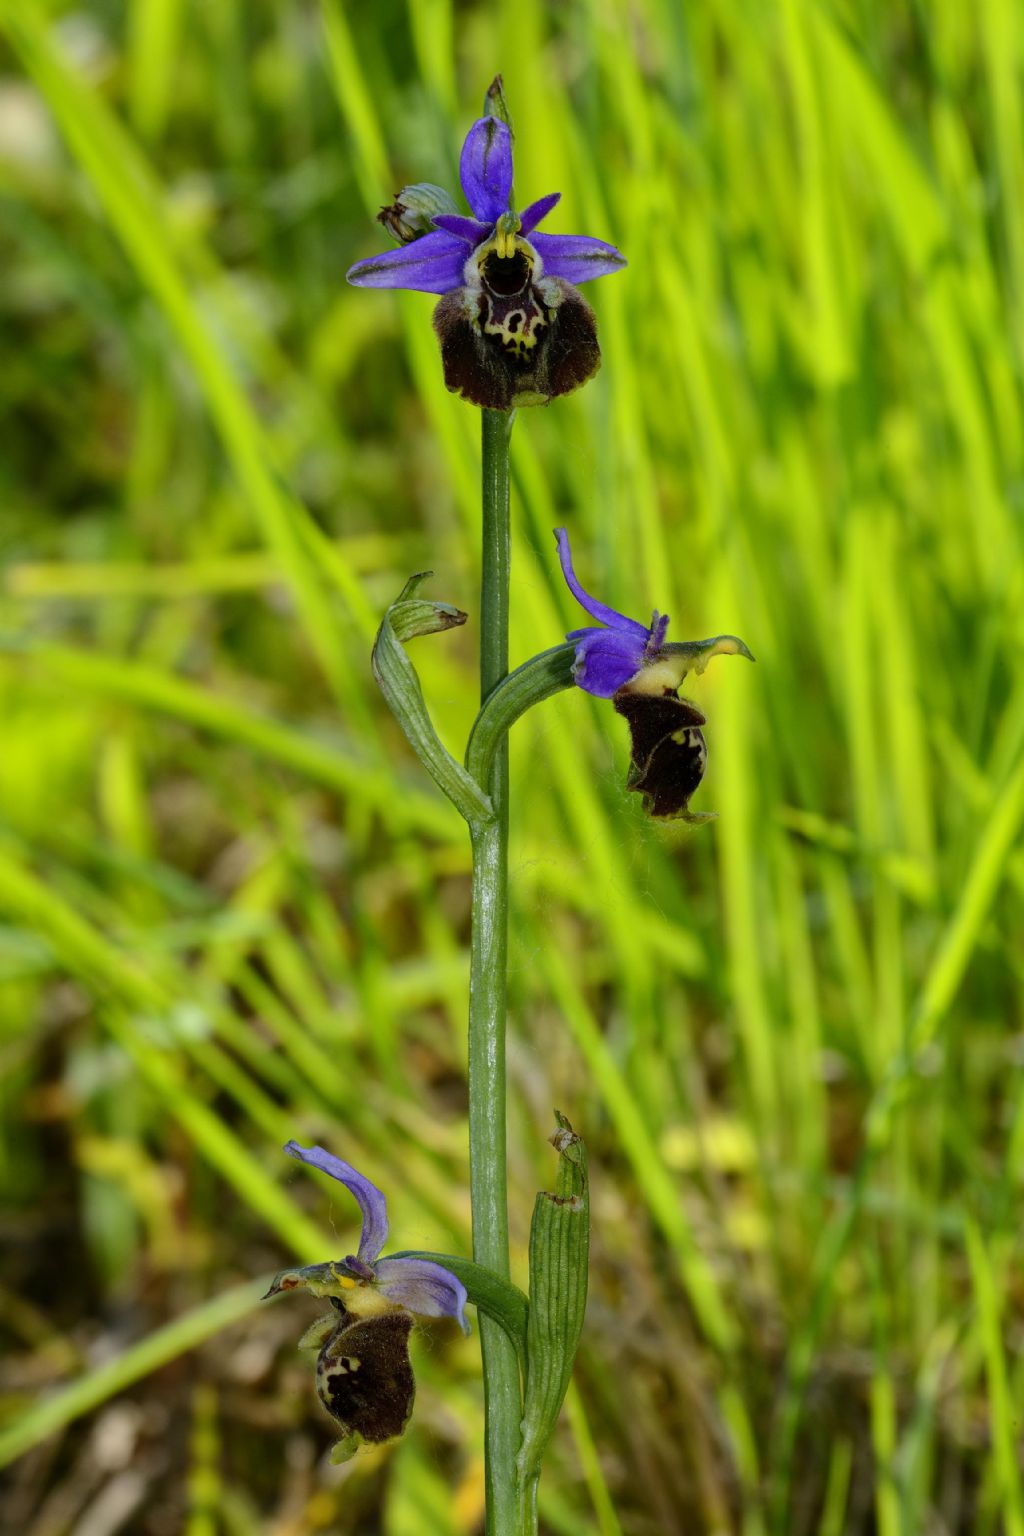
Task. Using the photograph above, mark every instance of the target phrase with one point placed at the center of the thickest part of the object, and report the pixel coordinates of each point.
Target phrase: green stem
(487, 1001)
(494, 578)
(532, 683)
(528, 1506)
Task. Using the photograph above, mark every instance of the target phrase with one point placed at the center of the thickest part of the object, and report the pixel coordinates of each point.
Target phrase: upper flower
(436, 261)
(512, 327)
(363, 1280)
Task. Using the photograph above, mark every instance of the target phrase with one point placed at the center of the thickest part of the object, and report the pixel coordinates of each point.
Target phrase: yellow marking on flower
(346, 1366)
(659, 676)
(506, 229)
(665, 671)
(366, 1302)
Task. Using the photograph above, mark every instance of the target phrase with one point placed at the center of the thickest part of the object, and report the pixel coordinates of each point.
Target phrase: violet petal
(485, 168)
(471, 230)
(606, 659)
(423, 1287)
(534, 212)
(369, 1198)
(432, 264)
(596, 610)
(577, 258)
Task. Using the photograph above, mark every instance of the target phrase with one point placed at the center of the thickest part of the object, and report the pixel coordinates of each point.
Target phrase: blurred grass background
(232, 911)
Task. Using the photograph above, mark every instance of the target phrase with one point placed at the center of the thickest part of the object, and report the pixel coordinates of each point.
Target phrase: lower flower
(363, 1372)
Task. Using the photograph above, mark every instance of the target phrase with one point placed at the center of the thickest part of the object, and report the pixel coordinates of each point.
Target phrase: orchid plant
(513, 331)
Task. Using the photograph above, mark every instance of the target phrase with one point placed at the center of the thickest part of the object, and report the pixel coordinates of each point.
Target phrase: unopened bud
(413, 212)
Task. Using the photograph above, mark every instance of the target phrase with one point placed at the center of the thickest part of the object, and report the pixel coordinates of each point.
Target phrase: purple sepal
(534, 212)
(432, 264)
(369, 1198)
(606, 659)
(423, 1287)
(599, 611)
(470, 230)
(577, 258)
(485, 168)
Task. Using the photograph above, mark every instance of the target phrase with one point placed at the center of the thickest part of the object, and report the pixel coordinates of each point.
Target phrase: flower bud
(413, 212)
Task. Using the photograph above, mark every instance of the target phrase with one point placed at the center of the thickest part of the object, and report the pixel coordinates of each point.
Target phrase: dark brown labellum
(668, 750)
(512, 341)
(364, 1376)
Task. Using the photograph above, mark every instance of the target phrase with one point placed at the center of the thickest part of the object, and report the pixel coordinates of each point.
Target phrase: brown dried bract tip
(563, 1137)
